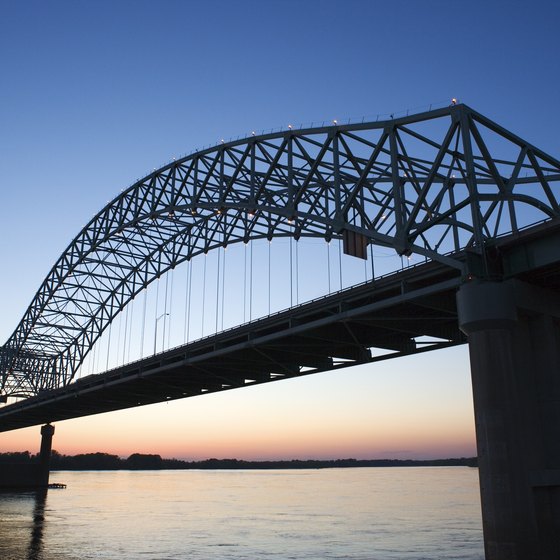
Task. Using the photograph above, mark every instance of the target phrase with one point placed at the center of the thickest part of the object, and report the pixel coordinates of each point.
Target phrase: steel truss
(433, 184)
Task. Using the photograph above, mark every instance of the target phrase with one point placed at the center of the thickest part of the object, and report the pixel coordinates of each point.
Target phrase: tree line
(140, 461)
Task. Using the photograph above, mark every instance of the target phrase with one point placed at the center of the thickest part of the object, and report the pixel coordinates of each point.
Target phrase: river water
(357, 513)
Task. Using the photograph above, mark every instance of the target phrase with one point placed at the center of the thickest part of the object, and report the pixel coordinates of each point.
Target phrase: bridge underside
(412, 311)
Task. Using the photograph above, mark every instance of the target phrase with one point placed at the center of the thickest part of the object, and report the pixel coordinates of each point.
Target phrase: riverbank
(138, 461)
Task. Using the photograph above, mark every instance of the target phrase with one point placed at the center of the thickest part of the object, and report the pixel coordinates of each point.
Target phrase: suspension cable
(269, 244)
(118, 334)
(156, 313)
(87, 364)
(186, 302)
(251, 282)
(170, 308)
(340, 261)
(297, 272)
(109, 345)
(291, 277)
(188, 307)
(203, 293)
(217, 289)
(144, 322)
(130, 329)
(245, 282)
(119, 338)
(125, 340)
(165, 311)
(98, 368)
(92, 363)
(329, 264)
(223, 287)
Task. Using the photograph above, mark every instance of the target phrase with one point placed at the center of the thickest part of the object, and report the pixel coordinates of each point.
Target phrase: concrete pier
(30, 475)
(514, 344)
(47, 432)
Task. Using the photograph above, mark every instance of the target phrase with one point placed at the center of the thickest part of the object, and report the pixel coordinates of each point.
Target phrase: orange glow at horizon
(422, 443)
(415, 407)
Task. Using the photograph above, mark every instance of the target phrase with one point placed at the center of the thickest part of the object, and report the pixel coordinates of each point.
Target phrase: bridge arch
(433, 193)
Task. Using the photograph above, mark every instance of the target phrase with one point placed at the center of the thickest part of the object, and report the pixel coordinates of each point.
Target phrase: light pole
(155, 331)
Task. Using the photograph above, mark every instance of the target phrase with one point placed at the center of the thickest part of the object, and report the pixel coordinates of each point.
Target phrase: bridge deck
(336, 331)
(411, 311)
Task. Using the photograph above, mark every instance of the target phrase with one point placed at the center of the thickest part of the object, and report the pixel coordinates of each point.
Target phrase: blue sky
(97, 94)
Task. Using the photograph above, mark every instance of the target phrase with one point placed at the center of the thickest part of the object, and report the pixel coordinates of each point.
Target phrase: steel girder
(433, 184)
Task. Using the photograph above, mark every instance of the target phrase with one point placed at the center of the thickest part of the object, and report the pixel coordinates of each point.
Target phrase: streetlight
(155, 331)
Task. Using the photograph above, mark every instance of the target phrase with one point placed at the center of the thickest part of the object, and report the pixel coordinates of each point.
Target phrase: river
(412, 513)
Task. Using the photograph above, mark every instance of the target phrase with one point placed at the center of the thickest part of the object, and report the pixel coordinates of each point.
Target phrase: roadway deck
(413, 310)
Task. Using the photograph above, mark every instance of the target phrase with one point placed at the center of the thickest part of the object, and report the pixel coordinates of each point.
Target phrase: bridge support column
(47, 432)
(514, 344)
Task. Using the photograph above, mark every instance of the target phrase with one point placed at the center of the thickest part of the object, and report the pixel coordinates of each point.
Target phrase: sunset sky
(97, 94)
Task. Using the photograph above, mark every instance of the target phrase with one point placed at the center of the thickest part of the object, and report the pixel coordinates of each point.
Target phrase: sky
(96, 94)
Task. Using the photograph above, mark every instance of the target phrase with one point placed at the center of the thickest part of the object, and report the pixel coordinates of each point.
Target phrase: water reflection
(22, 520)
(392, 513)
(36, 543)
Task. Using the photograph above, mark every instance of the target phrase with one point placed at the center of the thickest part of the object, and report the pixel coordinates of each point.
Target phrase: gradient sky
(95, 94)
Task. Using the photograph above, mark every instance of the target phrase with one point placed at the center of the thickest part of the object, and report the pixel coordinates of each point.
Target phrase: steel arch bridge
(434, 184)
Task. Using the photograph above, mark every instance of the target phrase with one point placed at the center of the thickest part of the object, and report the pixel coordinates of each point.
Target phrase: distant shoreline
(138, 461)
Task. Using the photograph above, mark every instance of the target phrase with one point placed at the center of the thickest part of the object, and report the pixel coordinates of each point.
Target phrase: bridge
(466, 211)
